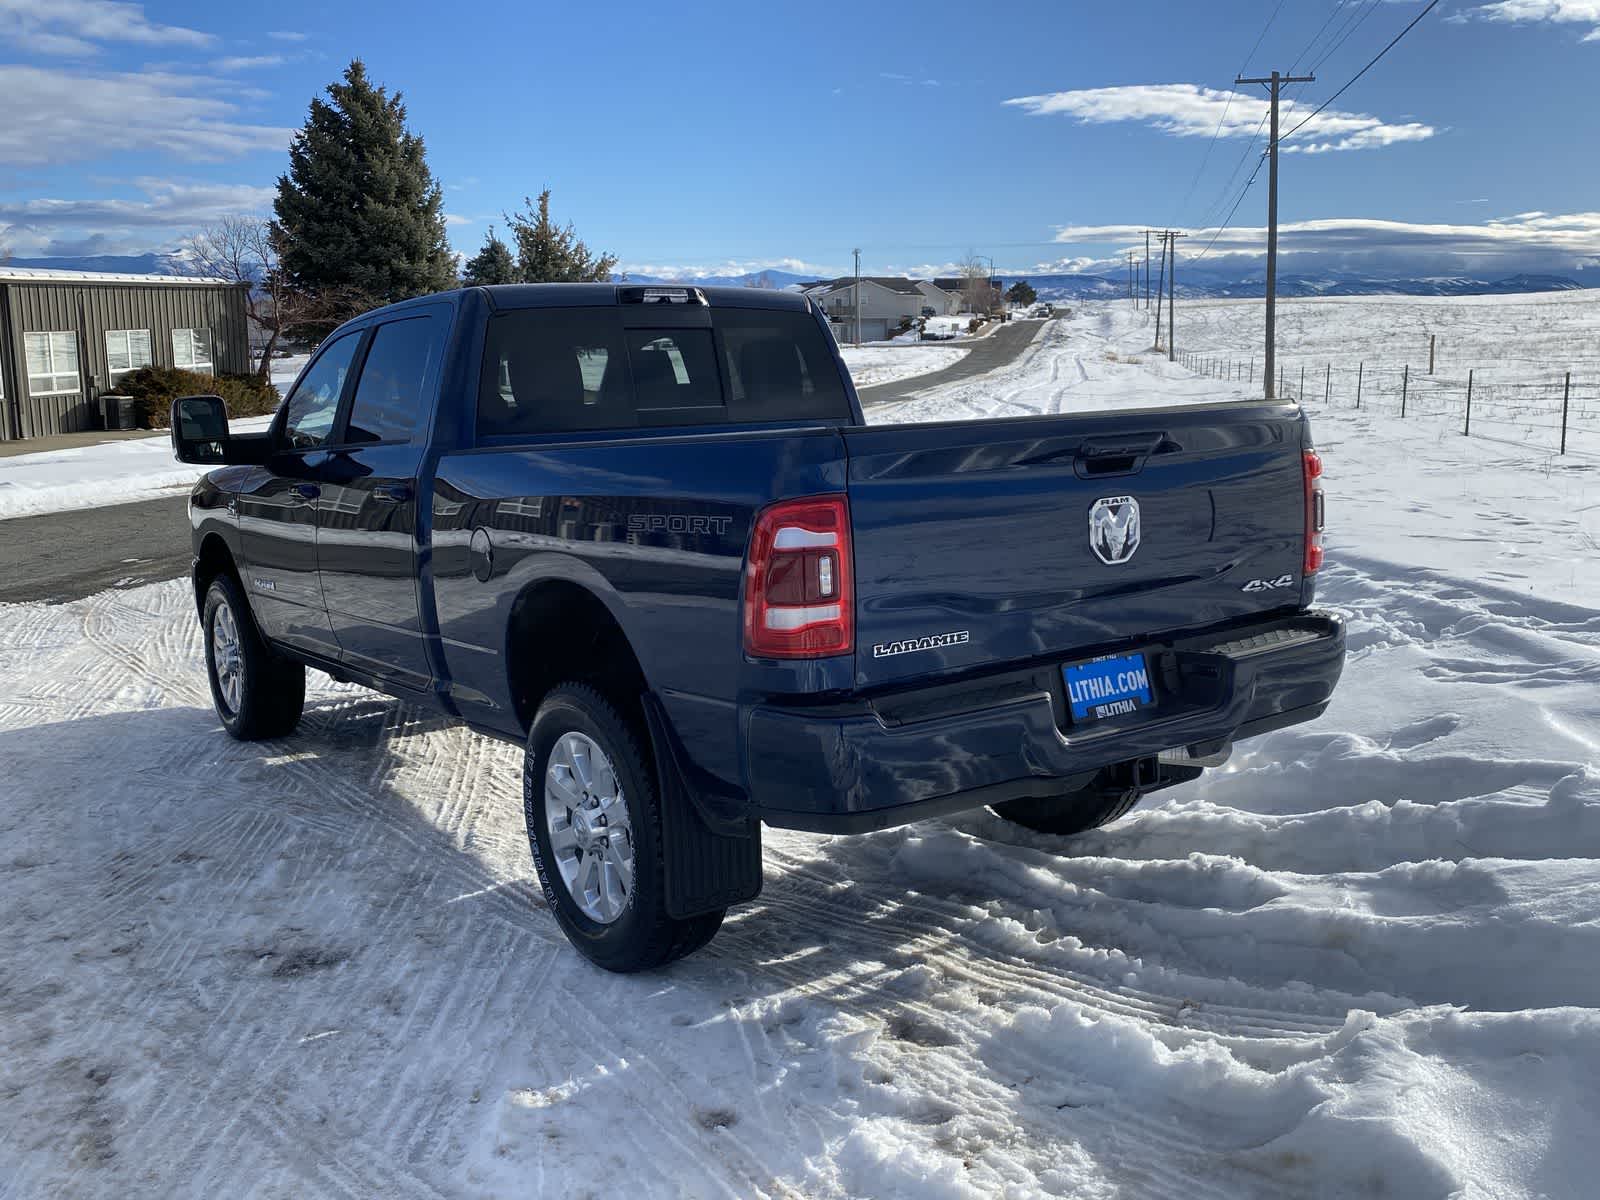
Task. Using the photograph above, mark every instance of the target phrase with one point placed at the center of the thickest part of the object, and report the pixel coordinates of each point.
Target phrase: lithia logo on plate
(912, 645)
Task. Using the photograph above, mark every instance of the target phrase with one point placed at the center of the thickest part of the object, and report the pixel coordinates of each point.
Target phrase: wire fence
(1554, 410)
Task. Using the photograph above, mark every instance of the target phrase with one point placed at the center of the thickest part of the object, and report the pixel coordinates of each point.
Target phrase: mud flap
(711, 857)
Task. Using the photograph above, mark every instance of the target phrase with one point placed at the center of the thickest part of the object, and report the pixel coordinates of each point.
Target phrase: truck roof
(542, 295)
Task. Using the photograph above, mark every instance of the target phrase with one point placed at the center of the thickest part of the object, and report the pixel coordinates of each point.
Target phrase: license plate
(1107, 687)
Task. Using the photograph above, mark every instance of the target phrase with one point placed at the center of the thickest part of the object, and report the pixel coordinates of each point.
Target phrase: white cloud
(248, 62)
(1560, 12)
(165, 212)
(1533, 241)
(73, 27)
(1186, 110)
(456, 219)
(71, 116)
(288, 35)
(794, 266)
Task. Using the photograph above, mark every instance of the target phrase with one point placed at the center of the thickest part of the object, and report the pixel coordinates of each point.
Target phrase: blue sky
(709, 135)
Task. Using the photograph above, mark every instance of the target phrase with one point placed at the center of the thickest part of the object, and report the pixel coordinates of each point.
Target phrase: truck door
(278, 507)
(367, 537)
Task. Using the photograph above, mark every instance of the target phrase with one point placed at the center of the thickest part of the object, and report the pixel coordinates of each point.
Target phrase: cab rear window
(560, 370)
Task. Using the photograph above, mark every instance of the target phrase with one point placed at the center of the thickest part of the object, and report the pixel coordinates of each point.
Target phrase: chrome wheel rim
(591, 836)
(226, 658)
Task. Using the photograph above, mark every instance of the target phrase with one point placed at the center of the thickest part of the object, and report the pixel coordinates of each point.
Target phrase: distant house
(887, 303)
(957, 286)
(66, 337)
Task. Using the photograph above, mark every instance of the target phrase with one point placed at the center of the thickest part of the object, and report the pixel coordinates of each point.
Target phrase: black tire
(271, 691)
(1076, 812)
(643, 936)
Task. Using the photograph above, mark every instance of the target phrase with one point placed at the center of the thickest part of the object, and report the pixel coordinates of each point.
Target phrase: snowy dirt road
(1360, 960)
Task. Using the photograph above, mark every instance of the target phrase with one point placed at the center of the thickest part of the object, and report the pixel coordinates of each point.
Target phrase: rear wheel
(257, 692)
(594, 825)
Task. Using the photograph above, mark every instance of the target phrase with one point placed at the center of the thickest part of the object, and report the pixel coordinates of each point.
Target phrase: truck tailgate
(976, 542)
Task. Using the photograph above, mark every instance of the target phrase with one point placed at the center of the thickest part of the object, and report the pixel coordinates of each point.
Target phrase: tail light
(1314, 511)
(798, 594)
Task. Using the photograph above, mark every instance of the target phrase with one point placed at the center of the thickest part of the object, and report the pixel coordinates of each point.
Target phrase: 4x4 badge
(1114, 528)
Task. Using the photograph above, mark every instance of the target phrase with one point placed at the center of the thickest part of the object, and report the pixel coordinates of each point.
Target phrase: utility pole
(1147, 269)
(1275, 82)
(1132, 275)
(1161, 286)
(857, 301)
(1172, 291)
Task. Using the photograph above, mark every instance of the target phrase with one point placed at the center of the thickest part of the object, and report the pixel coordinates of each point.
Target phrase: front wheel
(594, 826)
(257, 692)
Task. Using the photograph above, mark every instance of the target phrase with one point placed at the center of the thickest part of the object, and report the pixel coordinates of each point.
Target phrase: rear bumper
(873, 764)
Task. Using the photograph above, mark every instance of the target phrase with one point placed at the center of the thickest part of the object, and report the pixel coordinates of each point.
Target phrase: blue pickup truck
(646, 533)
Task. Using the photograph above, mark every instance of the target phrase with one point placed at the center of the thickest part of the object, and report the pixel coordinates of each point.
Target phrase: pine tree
(490, 265)
(1021, 293)
(550, 253)
(359, 219)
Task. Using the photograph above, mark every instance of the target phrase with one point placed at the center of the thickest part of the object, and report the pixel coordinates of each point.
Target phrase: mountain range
(1199, 284)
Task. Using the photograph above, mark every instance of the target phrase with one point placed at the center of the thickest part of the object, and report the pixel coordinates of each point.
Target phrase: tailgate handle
(1099, 460)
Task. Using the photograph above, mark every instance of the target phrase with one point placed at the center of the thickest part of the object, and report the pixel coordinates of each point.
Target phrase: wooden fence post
(1466, 430)
(1405, 389)
(1327, 387)
(1360, 374)
(1431, 337)
(1566, 395)
(1301, 395)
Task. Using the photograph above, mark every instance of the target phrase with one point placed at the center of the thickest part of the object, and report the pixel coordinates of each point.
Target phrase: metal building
(66, 337)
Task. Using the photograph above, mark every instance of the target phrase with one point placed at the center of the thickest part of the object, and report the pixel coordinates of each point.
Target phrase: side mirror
(200, 429)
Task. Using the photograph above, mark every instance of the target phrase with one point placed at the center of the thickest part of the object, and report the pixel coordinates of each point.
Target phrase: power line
(1227, 104)
(1239, 200)
(1357, 18)
(1222, 197)
(1414, 21)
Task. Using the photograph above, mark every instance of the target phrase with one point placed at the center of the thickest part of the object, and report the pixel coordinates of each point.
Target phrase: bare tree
(975, 285)
(244, 249)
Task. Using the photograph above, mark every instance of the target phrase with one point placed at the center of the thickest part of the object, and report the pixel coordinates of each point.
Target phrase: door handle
(306, 491)
(394, 493)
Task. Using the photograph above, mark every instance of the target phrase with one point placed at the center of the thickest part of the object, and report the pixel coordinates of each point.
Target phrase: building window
(191, 349)
(52, 363)
(127, 350)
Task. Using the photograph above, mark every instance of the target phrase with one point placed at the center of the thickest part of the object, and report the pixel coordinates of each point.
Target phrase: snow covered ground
(1517, 349)
(1362, 959)
(884, 363)
(116, 472)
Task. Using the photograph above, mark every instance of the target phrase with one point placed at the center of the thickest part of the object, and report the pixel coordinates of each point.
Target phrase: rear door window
(398, 374)
(780, 367)
(552, 370)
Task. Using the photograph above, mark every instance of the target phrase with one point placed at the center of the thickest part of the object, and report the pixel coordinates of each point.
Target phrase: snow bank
(872, 365)
(115, 472)
(103, 473)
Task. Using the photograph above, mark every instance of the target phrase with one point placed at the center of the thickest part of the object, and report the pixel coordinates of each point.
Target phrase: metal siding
(10, 370)
(160, 308)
